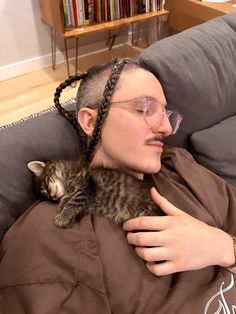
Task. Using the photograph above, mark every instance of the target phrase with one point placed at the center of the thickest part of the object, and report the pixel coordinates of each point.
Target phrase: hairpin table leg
(132, 34)
(158, 28)
(53, 47)
(76, 54)
(138, 35)
(162, 27)
(111, 38)
(137, 26)
(67, 60)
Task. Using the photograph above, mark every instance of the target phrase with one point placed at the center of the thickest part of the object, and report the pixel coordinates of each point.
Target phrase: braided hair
(90, 95)
(57, 96)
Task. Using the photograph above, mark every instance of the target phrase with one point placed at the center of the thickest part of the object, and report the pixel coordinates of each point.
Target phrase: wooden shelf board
(99, 27)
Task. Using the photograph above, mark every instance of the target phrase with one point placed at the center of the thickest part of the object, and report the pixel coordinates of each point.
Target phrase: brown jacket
(91, 268)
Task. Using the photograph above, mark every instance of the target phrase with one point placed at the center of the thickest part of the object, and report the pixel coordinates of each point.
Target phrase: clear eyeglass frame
(152, 112)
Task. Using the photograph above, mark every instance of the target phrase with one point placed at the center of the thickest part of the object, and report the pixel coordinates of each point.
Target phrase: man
(91, 268)
(139, 152)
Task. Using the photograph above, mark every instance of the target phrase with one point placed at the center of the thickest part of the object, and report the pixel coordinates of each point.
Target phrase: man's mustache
(156, 138)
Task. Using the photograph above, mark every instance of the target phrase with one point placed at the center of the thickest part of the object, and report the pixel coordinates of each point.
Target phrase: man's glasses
(152, 112)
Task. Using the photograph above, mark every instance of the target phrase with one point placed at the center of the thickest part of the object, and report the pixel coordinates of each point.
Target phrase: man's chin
(152, 169)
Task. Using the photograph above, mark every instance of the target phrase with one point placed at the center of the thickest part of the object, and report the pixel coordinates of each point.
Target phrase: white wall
(22, 35)
(25, 40)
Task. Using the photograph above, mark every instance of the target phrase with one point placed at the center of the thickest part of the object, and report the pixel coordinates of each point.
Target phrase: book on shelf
(71, 14)
(91, 11)
(66, 13)
(75, 13)
(78, 13)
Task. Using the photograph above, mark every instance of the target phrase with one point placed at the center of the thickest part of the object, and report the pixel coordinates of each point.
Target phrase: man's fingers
(154, 223)
(146, 238)
(161, 269)
(164, 204)
(152, 254)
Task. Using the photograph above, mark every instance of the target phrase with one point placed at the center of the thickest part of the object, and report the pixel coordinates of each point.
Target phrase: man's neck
(138, 175)
(135, 174)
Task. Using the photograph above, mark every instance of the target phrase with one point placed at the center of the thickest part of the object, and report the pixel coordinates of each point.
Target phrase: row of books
(83, 12)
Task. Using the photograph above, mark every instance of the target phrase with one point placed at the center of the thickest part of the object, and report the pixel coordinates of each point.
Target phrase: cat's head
(48, 180)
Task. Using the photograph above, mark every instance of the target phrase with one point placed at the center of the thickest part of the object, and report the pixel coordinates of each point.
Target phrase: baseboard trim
(38, 63)
(34, 64)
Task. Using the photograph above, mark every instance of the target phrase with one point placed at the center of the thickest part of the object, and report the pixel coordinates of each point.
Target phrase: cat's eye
(43, 191)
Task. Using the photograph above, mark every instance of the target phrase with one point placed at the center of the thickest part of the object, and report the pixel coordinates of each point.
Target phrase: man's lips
(158, 144)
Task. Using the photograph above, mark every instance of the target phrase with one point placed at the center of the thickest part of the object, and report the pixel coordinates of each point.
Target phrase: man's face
(127, 142)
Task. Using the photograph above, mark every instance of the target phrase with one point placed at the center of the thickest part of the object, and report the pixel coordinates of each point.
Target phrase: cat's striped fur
(100, 191)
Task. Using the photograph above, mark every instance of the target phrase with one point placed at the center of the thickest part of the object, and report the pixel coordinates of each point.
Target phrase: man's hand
(178, 241)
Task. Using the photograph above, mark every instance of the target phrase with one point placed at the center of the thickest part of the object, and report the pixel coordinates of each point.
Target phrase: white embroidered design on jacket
(223, 307)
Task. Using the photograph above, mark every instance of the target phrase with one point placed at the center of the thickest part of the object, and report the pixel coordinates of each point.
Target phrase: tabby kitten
(100, 191)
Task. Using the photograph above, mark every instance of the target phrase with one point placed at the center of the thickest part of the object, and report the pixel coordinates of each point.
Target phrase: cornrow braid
(59, 89)
(117, 67)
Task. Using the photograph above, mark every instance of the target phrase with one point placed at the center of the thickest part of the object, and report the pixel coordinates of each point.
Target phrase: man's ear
(87, 120)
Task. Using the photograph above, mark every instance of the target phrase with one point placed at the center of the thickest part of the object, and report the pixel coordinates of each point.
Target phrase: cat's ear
(37, 167)
(87, 120)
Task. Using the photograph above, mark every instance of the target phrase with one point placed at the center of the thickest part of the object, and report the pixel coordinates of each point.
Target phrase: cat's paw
(62, 221)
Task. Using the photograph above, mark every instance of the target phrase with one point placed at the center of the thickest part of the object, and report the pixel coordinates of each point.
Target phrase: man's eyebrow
(146, 96)
(156, 99)
(142, 97)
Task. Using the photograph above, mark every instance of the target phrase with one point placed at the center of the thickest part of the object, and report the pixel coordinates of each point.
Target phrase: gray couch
(197, 69)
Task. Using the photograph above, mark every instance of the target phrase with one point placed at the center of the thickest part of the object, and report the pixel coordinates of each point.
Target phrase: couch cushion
(215, 149)
(46, 135)
(197, 71)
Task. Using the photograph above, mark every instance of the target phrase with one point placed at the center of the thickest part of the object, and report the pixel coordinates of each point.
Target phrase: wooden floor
(33, 92)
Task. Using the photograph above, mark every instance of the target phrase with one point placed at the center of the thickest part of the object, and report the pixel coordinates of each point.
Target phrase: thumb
(164, 204)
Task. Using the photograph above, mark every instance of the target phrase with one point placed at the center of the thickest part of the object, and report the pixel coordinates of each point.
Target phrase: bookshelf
(53, 16)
